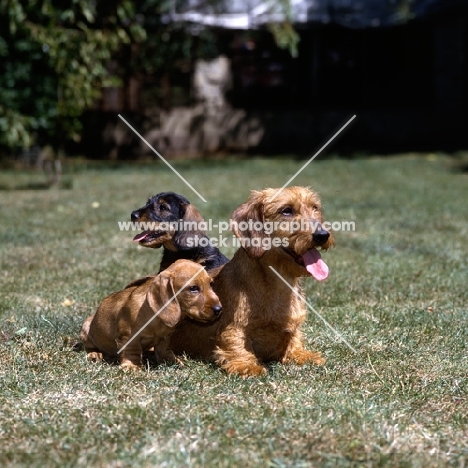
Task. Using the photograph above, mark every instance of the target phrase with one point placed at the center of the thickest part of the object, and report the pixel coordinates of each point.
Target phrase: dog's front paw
(245, 369)
(302, 356)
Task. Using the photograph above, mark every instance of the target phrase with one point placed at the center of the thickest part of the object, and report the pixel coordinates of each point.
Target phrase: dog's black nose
(135, 215)
(217, 310)
(320, 236)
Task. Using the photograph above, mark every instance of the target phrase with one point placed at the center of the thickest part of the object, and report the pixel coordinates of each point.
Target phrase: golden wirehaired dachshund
(262, 316)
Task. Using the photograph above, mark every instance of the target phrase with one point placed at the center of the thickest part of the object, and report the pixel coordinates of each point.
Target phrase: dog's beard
(312, 261)
(308, 257)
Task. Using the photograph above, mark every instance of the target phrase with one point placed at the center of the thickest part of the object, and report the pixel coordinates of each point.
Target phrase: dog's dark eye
(315, 207)
(194, 289)
(287, 211)
(162, 208)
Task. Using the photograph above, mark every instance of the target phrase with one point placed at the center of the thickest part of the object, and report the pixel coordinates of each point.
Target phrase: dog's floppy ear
(243, 222)
(159, 295)
(192, 224)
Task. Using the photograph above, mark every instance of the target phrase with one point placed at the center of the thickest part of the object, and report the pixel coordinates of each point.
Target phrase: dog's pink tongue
(315, 265)
(140, 237)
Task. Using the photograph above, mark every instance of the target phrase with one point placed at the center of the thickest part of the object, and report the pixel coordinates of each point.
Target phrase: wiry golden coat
(261, 314)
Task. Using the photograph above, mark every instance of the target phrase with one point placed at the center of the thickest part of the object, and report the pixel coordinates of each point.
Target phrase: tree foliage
(55, 57)
(53, 63)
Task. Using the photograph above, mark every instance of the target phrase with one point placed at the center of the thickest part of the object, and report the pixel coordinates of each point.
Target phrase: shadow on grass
(63, 185)
(463, 168)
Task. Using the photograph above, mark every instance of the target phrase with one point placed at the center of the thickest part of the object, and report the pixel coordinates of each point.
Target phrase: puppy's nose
(135, 215)
(320, 236)
(217, 310)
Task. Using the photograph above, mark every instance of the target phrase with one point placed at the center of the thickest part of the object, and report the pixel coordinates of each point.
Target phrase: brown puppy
(261, 316)
(144, 314)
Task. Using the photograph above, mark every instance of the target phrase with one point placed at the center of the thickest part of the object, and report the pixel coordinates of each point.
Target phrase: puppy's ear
(243, 222)
(159, 295)
(192, 224)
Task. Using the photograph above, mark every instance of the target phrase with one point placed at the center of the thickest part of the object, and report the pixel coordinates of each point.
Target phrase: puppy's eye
(194, 289)
(315, 207)
(287, 211)
(162, 208)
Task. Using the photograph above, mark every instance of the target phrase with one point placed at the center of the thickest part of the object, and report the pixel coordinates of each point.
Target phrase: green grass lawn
(397, 291)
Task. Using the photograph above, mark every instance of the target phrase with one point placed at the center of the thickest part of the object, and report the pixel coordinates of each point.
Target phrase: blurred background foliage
(56, 56)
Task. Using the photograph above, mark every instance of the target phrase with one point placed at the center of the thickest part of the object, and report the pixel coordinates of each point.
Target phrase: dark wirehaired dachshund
(169, 207)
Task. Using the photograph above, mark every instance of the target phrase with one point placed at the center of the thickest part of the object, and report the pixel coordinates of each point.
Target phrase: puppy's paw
(166, 357)
(94, 357)
(129, 366)
(302, 356)
(179, 362)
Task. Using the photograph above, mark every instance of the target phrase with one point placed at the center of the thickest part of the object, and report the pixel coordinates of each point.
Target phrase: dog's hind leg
(93, 353)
